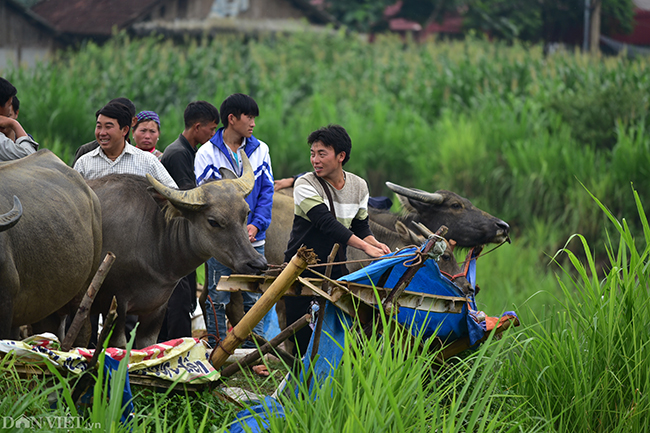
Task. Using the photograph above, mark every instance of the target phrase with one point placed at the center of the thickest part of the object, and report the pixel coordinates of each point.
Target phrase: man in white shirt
(114, 154)
(24, 144)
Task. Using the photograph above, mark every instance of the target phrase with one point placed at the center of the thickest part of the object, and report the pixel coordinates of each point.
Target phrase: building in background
(97, 20)
(25, 37)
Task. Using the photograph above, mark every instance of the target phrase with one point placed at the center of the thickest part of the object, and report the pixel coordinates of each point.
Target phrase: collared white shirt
(132, 160)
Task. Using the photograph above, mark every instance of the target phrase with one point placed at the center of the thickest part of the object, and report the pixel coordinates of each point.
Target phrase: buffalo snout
(253, 266)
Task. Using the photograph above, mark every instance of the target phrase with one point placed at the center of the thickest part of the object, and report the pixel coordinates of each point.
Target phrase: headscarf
(148, 115)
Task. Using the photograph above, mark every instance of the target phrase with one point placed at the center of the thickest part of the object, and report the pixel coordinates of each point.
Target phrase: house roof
(35, 19)
(91, 17)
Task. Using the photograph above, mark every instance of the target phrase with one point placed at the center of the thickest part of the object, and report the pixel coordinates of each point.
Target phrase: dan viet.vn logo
(48, 422)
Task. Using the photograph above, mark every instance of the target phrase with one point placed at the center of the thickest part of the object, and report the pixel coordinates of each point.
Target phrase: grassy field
(531, 139)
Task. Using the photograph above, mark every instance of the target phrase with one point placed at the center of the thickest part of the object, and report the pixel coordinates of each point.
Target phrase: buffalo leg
(149, 327)
(51, 323)
(6, 315)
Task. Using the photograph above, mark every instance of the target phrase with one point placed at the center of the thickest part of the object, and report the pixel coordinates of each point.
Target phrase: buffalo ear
(160, 199)
(227, 173)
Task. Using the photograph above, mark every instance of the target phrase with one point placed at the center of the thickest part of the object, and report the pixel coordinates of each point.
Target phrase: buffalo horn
(416, 194)
(10, 219)
(191, 199)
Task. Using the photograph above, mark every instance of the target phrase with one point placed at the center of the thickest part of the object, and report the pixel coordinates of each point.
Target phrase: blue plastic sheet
(256, 418)
(447, 326)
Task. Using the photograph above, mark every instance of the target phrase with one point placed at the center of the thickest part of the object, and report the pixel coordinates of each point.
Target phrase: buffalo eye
(214, 223)
(456, 206)
(446, 257)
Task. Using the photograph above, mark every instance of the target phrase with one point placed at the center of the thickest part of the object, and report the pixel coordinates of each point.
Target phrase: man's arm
(331, 227)
(361, 229)
(23, 146)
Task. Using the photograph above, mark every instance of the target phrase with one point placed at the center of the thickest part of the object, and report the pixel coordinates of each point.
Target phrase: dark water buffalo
(468, 225)
(160, 234)
(52, 251)
(12, 217)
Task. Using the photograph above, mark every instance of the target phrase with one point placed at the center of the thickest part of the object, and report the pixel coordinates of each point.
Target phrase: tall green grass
(586, 366)
(385, 385)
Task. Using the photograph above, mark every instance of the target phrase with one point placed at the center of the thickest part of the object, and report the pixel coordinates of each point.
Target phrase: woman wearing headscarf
(146, 132)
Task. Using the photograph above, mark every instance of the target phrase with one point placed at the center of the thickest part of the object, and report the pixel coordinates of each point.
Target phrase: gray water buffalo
(159, 234)
(50, 250)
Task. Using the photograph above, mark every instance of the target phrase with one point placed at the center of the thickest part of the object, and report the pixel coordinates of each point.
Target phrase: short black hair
(15, 104)
(127, 102)
(200, 112)
(117, 111)
(334, 136)
(7, 90)
(238, 104)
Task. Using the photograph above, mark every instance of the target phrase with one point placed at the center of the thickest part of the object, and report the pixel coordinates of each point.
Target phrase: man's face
(109, 135)
(205, 131)
(244, 125)
(324, 160)
(6, 109)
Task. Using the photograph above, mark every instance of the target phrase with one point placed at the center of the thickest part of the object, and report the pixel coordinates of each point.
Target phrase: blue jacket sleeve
(261, 215)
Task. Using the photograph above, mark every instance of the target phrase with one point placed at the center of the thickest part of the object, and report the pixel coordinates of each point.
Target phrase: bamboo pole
(276, 350)
(321, 309)
(87, 301)
(267, 347)
(276, 290)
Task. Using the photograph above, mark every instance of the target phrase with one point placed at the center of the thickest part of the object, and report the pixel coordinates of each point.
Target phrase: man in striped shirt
(316, 226)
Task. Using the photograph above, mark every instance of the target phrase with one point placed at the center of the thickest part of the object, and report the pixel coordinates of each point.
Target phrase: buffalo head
(468, 225)
(218, 214)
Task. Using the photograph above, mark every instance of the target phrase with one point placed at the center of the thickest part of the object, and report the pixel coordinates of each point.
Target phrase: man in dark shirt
(201, 120)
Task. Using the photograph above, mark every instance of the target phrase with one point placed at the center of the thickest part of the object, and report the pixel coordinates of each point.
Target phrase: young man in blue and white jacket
(238, 113)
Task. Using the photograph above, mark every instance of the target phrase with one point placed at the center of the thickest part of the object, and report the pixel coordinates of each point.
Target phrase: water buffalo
(50, 255)
(159, 234)
(468, 225)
